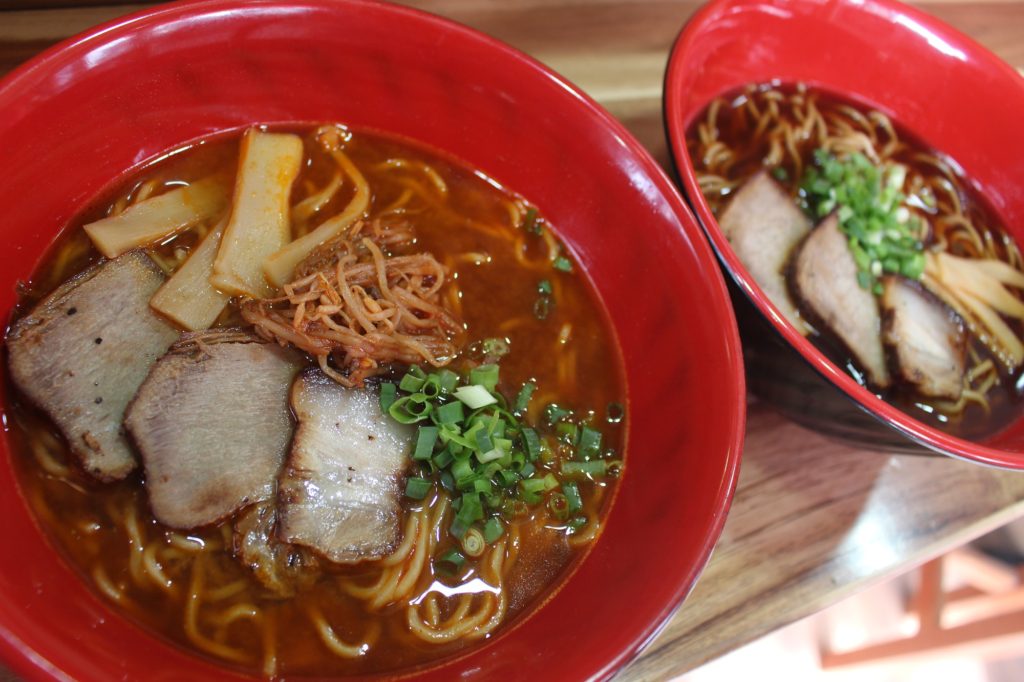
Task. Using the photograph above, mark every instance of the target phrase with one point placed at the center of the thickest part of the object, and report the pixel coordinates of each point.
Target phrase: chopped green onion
(458, 528)
(417, 488)
(572, 496)
(522, 401)
(590, 442)
(431, 386)
(452, 558)
(493, 530)
(780, 174)
(443, 458)
(544, 287)
(425, 440)
(448, 380)
(567, 432)
(883, 235)
(596, 467)
(473, 542)
(475, 396)
(527, 470)
(410, 409)
(562, 263)
(532, 442)
(554, 414)
(507, 477)
(531, 490)
(558, 505)
(470, 510)
(411, 383)
(449, 413)
(489, 456)
(485, 375)
(388, 393)
(483, 441)
(462, 470)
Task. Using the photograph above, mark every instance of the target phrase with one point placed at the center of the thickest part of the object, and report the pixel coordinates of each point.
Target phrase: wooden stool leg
(980, 637)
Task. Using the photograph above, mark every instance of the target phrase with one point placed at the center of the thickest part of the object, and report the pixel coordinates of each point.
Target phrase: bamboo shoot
(152, 220)
(187, 298)
(259, 223)
(280, 266)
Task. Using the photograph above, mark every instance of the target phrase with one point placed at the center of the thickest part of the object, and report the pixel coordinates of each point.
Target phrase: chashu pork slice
(339, 490)
(824, 279)
(81, 354)
(211, 423)
(926, 339)
(281, 568)
(763, 224)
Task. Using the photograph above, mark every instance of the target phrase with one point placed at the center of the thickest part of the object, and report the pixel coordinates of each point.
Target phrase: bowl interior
(950, 92)
(89, 111)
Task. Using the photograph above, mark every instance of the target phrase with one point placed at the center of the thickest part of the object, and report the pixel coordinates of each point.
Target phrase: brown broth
(736, 130)
(82, 516)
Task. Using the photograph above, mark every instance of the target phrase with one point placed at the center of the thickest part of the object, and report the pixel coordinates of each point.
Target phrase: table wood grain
(812, 521)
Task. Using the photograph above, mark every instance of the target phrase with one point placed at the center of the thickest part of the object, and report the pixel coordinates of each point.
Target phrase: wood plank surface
(812, 521)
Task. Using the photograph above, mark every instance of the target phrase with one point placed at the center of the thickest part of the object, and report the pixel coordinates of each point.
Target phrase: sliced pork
(212, 425)
(763, 224)
(81, 354)
(281, 568)
(339, 490)
(926, 339)
(824, 280)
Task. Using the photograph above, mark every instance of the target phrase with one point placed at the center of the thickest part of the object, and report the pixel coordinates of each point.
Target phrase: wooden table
(812, 521)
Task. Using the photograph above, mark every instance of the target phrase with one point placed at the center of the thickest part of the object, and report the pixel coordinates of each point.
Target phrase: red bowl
(952, 93)
(88, 111)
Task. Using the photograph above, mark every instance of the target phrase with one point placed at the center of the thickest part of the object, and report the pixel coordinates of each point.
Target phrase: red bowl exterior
(952, 93)
(86, 112)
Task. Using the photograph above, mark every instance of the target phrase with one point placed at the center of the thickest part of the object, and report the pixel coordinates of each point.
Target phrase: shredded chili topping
(357, 308)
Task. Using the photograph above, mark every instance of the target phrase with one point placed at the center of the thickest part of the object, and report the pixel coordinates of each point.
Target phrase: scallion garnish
(868, 199)
(475, 396)
(473, 543)
(425, 439)
(522, 401)
(452, 559)
(417, 488)
(563, 264)
(388, 392)
(572, 496)
(485, 375)
(476, 446)
(544, 287)
(589, 443)
(493, 530)
(554, 414)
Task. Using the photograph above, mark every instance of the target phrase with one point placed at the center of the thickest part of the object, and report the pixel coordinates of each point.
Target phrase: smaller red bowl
(953, 94)
(103, 103)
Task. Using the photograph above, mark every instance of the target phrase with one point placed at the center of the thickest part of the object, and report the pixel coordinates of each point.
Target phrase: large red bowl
(90, 110)
(952, 93)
